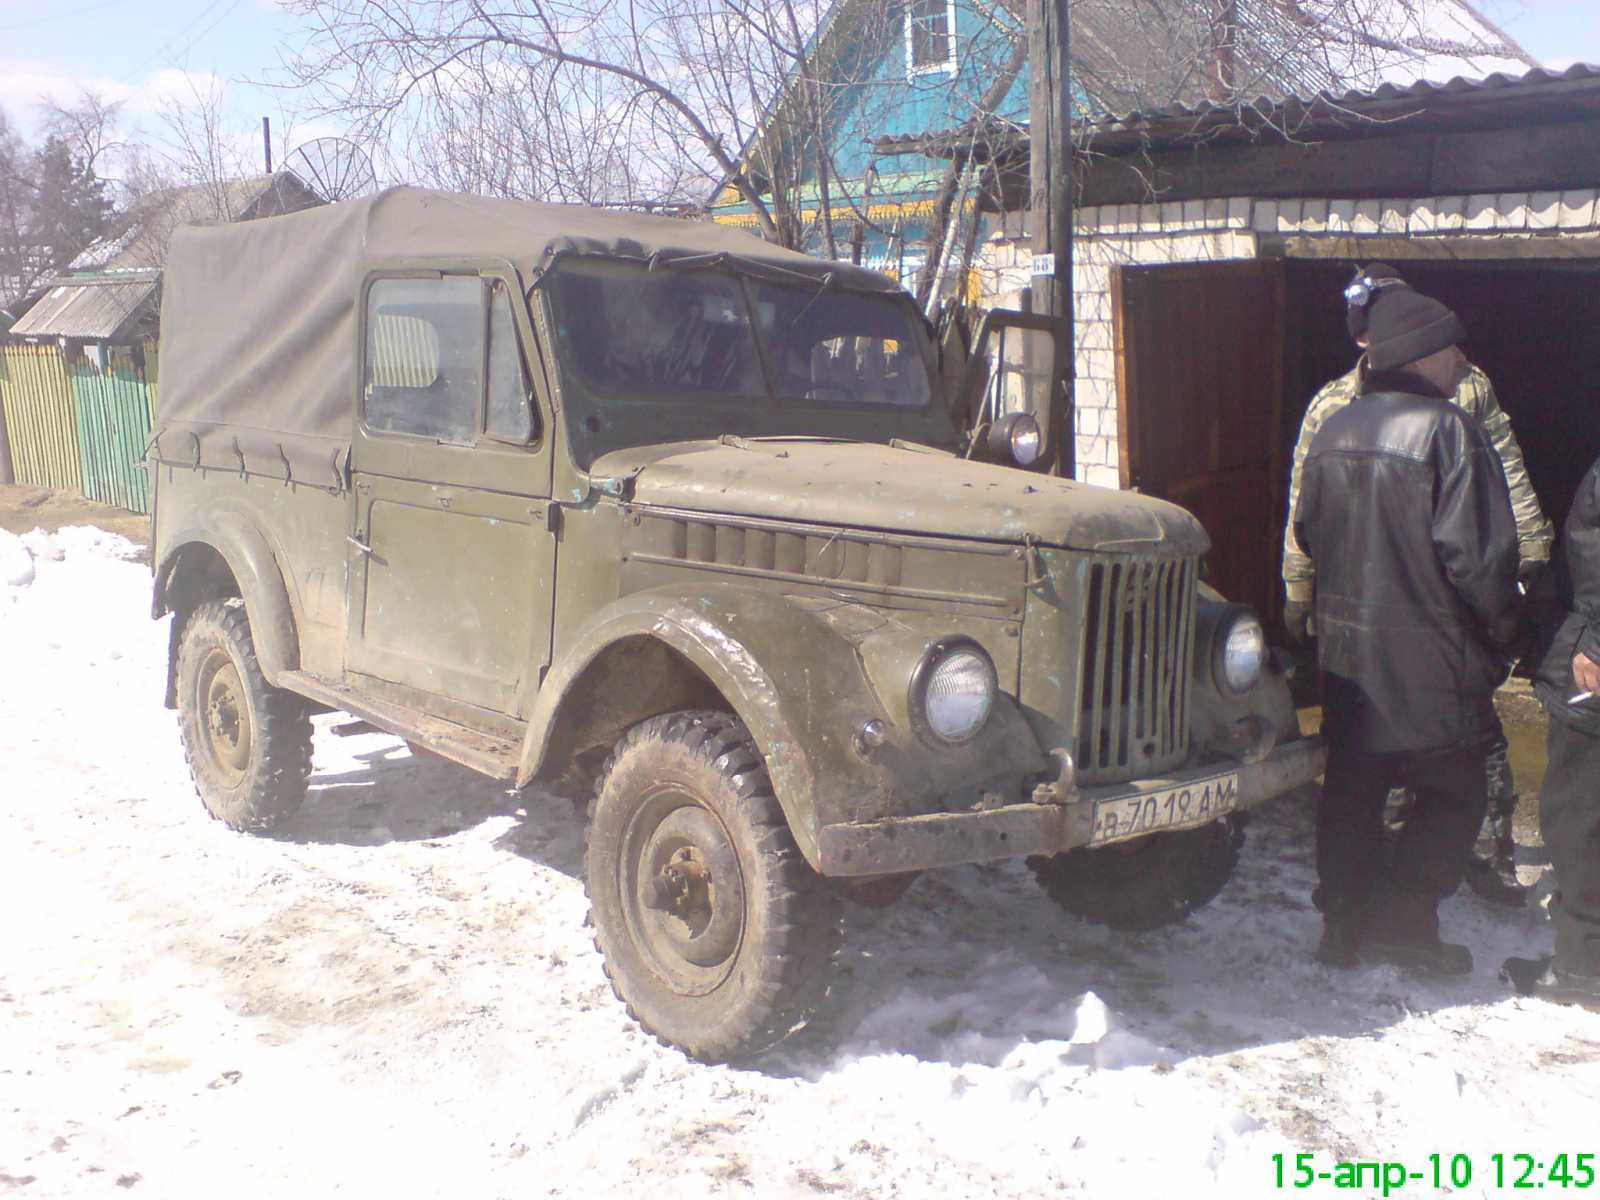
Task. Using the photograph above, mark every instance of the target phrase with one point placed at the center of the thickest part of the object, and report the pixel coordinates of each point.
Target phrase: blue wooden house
(904, 96)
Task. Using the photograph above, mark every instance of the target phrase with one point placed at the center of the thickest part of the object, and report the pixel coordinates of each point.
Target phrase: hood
(902, 489)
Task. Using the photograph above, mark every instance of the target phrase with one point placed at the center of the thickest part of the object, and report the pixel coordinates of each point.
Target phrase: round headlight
(1026, 441)
(1241, 649)
(1016, 436)
(953, 689)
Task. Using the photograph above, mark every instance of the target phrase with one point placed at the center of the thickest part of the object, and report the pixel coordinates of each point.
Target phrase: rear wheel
(716, 934)
(1146, 883)
(248, 744)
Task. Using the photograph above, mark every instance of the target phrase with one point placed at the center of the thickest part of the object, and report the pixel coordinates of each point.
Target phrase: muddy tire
(248, 744)
(716, 934)
(1144, 884)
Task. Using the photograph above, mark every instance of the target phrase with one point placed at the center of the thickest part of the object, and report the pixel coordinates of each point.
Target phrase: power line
(60, 16)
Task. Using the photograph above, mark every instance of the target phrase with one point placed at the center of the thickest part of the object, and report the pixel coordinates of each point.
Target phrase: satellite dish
(334, 168)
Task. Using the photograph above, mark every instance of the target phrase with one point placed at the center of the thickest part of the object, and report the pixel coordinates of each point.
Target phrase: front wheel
(1146, 883)
(717, 936)
(248, 744)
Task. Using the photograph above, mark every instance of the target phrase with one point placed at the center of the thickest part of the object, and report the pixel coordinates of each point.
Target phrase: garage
(1212, 246)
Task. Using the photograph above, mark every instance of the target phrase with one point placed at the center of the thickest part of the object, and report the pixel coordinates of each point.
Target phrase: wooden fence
(76, 427)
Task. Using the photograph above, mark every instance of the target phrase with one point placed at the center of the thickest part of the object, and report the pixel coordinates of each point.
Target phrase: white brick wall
(1223, 229)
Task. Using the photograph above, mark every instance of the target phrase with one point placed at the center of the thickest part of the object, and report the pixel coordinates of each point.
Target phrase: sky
(153, 52)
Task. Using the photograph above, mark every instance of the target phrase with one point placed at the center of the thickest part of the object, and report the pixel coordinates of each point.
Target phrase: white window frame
(945, 66)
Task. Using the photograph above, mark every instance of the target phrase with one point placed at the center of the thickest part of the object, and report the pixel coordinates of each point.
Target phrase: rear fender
(256, 575)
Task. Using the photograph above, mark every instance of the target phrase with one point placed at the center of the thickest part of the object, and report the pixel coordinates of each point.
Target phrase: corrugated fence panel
(41, 417)
(114, 427)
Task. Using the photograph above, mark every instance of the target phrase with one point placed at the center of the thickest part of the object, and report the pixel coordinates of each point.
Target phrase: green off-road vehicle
(564, 494)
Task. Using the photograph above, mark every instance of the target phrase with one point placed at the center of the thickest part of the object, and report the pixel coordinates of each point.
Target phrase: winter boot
(1541, 978)
(1341, 942)
(1495, 879)
(1343, 922)
(1407, 936)
(1492, 871)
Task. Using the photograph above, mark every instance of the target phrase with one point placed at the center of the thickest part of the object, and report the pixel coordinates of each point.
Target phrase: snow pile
(16, 564)
(396, 995)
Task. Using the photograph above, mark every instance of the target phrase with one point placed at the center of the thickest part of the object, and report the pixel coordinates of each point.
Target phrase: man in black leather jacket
(1405, 511)
(1568, 667)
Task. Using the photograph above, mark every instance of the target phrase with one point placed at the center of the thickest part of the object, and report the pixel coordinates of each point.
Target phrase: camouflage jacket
(1476, 396)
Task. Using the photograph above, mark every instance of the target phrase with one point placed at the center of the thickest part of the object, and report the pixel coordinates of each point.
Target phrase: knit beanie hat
(1404, 325)
(1365, 286)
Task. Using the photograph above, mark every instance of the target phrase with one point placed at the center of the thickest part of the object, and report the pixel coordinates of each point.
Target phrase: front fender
(255, 570)
(793, 671)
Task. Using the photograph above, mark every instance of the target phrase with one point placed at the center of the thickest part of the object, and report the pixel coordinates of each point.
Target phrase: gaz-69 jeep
(557, 493)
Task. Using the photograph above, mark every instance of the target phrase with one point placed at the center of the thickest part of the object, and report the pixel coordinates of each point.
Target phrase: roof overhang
(98, 308)
(1498, 101)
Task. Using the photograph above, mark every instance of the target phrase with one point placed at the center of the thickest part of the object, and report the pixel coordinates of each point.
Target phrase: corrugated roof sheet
(1352, 107)
(93, 308)
(1497, 99)
(147, 227)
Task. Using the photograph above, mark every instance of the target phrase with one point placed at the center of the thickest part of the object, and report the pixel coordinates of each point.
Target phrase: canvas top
(258, 318)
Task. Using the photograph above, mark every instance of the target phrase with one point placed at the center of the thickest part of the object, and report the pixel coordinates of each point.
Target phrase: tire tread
(791, 977)
(281, 726)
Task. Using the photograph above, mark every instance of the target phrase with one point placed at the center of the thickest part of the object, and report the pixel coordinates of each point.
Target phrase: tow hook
(1063, 789)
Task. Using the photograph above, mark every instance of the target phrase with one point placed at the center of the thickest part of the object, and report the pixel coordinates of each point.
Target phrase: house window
(930, 36)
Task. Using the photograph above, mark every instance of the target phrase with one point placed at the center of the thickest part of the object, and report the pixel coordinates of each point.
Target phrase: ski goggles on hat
(1360, 292)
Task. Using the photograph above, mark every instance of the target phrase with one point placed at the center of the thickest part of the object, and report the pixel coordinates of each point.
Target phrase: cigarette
(1580, 697)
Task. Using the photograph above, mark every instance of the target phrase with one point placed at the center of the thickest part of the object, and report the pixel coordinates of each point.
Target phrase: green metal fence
(113, 428)
(75, 426)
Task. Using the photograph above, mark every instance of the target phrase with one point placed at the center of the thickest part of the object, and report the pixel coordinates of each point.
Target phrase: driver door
(452, 549)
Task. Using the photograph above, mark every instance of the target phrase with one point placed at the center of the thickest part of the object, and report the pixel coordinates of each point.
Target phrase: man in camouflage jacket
(1492, 874)
(1567, 678)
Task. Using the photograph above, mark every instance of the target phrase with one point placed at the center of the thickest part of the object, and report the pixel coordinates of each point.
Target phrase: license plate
(1181, 807)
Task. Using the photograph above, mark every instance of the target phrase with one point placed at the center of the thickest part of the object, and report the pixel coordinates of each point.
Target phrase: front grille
(1138, 637)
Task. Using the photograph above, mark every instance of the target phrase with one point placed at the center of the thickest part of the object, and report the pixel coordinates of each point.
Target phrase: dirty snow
(396, 996)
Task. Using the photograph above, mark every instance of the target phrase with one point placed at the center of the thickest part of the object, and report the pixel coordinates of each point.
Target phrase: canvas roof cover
(258, 319)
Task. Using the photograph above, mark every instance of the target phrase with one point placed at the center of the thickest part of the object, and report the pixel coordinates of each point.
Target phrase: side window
(425, 357)
(510, 414)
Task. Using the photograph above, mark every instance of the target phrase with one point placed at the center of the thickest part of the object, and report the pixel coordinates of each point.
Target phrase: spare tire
(1146, 883)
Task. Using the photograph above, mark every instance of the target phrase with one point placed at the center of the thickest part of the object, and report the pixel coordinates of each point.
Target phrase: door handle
(358, 544)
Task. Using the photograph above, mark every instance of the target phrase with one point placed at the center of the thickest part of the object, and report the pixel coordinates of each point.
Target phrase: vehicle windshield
(680, 353)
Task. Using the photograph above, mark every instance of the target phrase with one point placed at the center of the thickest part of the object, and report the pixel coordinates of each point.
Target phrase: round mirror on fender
(1016, 438)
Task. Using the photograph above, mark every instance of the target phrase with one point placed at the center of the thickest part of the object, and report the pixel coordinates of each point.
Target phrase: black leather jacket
(1404, 509)
(1576, 618)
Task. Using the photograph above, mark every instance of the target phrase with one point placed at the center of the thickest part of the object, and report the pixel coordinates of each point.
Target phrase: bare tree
(90, 125)
(19, 263)
(604, 100)
(641, 101)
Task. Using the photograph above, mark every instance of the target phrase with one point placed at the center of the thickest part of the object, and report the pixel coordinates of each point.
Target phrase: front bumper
(1014, 830)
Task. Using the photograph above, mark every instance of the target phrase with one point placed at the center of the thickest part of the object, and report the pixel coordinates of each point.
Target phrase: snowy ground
(396, 996)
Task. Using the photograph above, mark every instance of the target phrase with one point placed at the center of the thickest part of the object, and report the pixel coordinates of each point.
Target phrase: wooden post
(7, 473)
(1050, 202)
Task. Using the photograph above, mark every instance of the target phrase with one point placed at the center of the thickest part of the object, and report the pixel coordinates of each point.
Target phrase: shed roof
(1499, 100)
(95, 308)
(147, 227)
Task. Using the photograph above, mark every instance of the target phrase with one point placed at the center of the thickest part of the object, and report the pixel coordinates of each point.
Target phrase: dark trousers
(1429, 857)
(1569, 817)
(1495, 839)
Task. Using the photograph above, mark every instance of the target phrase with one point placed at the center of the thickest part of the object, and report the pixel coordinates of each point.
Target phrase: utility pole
(1050, 205)
(266, 141)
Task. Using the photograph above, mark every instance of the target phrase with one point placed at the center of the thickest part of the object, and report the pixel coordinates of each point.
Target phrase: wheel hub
(687, 893)
(225, 715)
